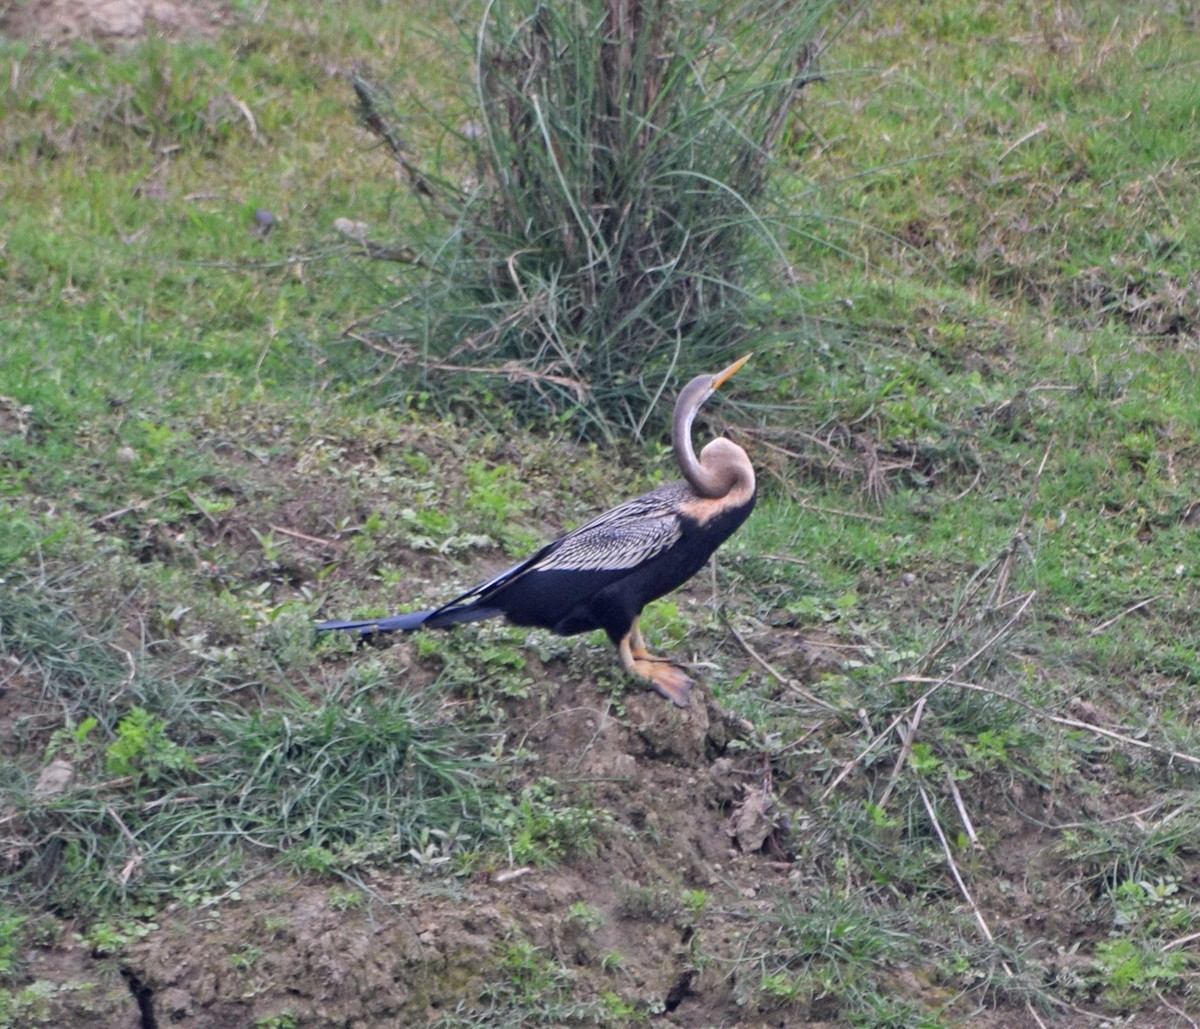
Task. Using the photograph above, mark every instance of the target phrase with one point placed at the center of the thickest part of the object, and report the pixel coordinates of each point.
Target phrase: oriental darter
(601, 575)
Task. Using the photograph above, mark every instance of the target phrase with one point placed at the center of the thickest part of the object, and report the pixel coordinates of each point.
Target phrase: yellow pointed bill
(720, 377)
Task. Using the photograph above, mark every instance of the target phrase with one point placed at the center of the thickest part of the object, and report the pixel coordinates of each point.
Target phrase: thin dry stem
(962, 886)
(297, 534)
(791, 684)
(964, 817)
(907, 737)
(937, 685)
(1128, 611)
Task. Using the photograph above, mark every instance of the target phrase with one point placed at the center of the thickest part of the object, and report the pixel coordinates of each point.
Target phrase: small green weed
(615, 1010)
(585, 916)
(647, 903)
(539, 829)
(1151, 907)
(12, 925)
(72, 743)
(246, 958)
(1129, 972)
(665, 625)
(525, 987)
(346, 899)
(529, 972)
(497, 500)
(143, 750)
(30, 1005)
(807, 950)
(106, 937)
(695, 902)
(283, 1020)
(435, 847)
(1141, 959)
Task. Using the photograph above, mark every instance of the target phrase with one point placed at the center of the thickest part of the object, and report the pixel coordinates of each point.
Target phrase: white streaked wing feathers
(624, 537)
(610, 546)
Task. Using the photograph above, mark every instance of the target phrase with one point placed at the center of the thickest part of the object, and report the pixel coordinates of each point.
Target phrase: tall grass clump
(602, 226)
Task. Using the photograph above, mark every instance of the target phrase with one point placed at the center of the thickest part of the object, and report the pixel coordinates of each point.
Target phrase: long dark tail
(434, 618)
(396, 623)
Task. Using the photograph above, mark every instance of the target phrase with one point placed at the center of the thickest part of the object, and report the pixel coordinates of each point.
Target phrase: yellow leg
(637, 645)
(667, 679)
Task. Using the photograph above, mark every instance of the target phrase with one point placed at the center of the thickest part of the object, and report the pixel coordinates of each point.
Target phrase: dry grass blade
(963, 889)
(907, 736)
(1070, 723)
(775, 674)
(1110, 622)
(953, 866)
(960, 805)
(370, 109)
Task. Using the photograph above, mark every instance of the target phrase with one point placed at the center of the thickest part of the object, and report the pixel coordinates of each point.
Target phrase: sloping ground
(526, 939)
(696, 874)
(659, 921)
(651, 887)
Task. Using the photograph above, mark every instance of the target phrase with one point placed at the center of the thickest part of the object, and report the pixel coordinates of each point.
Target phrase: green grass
(170, 772)
(978, 447)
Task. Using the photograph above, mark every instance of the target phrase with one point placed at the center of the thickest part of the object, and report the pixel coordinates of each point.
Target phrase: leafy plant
(1129, 971)
(246, 958)
(585, 916)
(695, 902)
(111, 936)
(30, 1005)
(143, 750)
(12, 923)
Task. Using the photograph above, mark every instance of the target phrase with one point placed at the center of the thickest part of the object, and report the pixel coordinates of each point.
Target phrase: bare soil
(428, 951)
(57, 21)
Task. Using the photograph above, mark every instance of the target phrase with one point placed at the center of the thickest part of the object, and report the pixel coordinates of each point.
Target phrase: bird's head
(718, 380)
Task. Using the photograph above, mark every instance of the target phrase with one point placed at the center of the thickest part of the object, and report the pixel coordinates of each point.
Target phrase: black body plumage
(599, 576)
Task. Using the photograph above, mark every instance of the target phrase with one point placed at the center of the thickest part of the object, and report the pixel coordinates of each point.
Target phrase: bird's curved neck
(705, 481)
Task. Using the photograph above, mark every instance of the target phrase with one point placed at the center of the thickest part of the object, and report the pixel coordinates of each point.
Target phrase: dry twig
(962, 886)
(965, 818)
(134, 864)
(791, 684)
(296, 534)
(937, 684)
(1128, 611)
(966, 893)
(907, 737)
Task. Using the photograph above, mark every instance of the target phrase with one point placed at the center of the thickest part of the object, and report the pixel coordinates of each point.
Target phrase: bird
(602, 574)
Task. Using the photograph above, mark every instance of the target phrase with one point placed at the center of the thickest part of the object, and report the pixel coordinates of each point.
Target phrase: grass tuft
(168, 788)
(616, 225)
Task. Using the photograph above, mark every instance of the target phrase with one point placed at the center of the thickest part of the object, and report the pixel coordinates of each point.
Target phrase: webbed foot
(666, 678)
